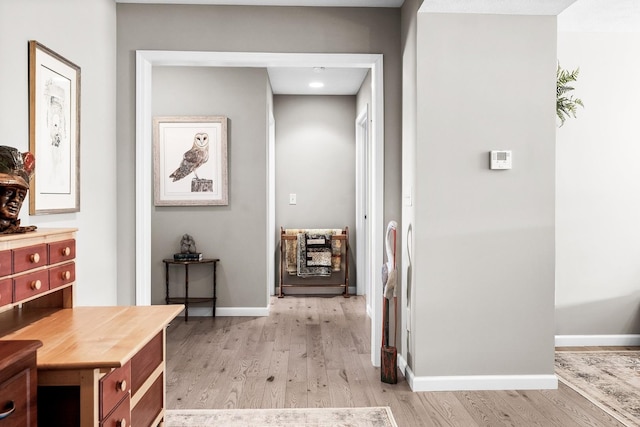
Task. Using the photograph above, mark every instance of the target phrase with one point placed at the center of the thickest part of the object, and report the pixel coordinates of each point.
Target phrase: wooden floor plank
(446, 407)
(315, 352)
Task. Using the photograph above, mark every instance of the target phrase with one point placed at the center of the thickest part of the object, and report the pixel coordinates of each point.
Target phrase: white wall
(89, 42)
(484, 240)
(598, 188)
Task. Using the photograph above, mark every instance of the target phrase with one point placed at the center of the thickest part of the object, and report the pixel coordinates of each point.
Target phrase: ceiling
(337, 81)
(325, 3)
(573, 15)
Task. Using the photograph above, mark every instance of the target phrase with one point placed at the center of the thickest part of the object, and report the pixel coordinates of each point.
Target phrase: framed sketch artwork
(54, 131)
(190, 161)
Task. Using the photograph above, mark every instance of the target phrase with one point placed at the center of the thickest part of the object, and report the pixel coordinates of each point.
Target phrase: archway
(146, 60)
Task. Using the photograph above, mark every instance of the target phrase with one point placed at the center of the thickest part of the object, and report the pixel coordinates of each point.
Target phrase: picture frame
(190, 161)
(54, 131)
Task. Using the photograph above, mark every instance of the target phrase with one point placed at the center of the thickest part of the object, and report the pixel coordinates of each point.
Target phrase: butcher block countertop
(87, 337)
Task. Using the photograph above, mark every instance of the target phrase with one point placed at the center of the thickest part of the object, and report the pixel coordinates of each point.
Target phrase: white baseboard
(482, 382)
(597, 340)
(477, 382)
(228, 311)
(402, 364)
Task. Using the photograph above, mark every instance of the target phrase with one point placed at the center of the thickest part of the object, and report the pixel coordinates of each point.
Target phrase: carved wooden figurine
(16, 170)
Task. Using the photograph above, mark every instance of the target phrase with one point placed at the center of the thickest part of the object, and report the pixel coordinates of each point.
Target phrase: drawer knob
(121, 423)
(35, 258)
(65, 275)
(66, 251)
(36, 285)
(121, 385)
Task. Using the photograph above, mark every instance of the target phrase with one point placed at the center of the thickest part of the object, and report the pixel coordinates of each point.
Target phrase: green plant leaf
(566, 106)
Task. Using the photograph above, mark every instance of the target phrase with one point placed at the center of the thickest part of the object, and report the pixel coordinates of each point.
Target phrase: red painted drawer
(15, 393)
(5, 263)
(145, 362)
(113, 387)
(30, 284)
(64, 250)
(121, 416)
(29, 257)
(62, 274)
(6, 292)
(150, 405)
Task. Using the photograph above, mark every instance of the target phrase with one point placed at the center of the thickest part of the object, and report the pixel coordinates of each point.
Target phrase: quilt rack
(337, 279)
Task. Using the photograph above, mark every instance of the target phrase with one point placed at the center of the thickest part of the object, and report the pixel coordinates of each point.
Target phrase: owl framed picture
(190, 160)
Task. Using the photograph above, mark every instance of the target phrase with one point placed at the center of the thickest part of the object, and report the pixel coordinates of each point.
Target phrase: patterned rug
(299, 417)
(609, 379)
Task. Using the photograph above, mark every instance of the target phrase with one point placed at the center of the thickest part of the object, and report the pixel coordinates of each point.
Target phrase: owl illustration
(193, 158)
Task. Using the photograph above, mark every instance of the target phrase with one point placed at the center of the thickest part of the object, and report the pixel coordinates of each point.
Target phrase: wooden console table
(186, 300)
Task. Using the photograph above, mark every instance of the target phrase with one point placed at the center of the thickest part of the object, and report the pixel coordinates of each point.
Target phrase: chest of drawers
(37, 264)
(98, 366)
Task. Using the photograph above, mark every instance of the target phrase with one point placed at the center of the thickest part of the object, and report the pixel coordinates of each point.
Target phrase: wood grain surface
(89, 337)
(315, 352)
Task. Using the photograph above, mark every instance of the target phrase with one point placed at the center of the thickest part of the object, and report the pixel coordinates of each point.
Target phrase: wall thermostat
(501, 159)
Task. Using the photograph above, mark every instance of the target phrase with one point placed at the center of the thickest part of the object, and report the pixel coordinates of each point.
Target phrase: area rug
(609, 379)
(300, 417)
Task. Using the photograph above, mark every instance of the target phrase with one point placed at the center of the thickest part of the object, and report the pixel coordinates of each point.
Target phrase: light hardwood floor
(315, 352)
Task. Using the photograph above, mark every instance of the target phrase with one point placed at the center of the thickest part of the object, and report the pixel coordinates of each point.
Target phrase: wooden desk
(186, 300)
(87, 356)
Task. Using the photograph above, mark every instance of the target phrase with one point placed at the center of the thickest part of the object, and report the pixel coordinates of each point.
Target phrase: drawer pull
(66, 251)
(9, 409)
(121, 423)
(65, 275)
(35, 258)
(36, 285)
(121, 385)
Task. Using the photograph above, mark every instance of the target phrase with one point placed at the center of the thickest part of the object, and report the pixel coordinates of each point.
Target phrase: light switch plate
(293, 199)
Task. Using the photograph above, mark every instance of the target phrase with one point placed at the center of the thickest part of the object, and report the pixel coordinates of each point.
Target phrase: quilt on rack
(314, 255)
(292, 253)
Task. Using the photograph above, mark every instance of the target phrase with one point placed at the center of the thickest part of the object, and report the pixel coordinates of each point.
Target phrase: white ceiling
(337, 81)
(503, 7)
(609, 16)
(325, 3)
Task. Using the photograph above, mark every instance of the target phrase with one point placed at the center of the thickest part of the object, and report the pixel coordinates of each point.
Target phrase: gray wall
(89, 42)
(233, 233)
(315, 159)
(409, 147)
(484, 240)
(237, 28)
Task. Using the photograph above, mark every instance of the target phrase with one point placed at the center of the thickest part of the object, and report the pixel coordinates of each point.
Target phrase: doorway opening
(146, 60)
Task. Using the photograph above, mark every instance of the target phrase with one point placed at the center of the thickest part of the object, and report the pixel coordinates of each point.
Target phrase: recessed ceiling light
(316, 85)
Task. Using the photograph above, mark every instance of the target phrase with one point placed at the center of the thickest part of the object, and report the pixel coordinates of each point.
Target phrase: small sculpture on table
(188, 250)
(16, 170)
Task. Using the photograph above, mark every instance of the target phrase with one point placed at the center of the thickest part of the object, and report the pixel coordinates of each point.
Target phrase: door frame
(147, 59)
(362, 205)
